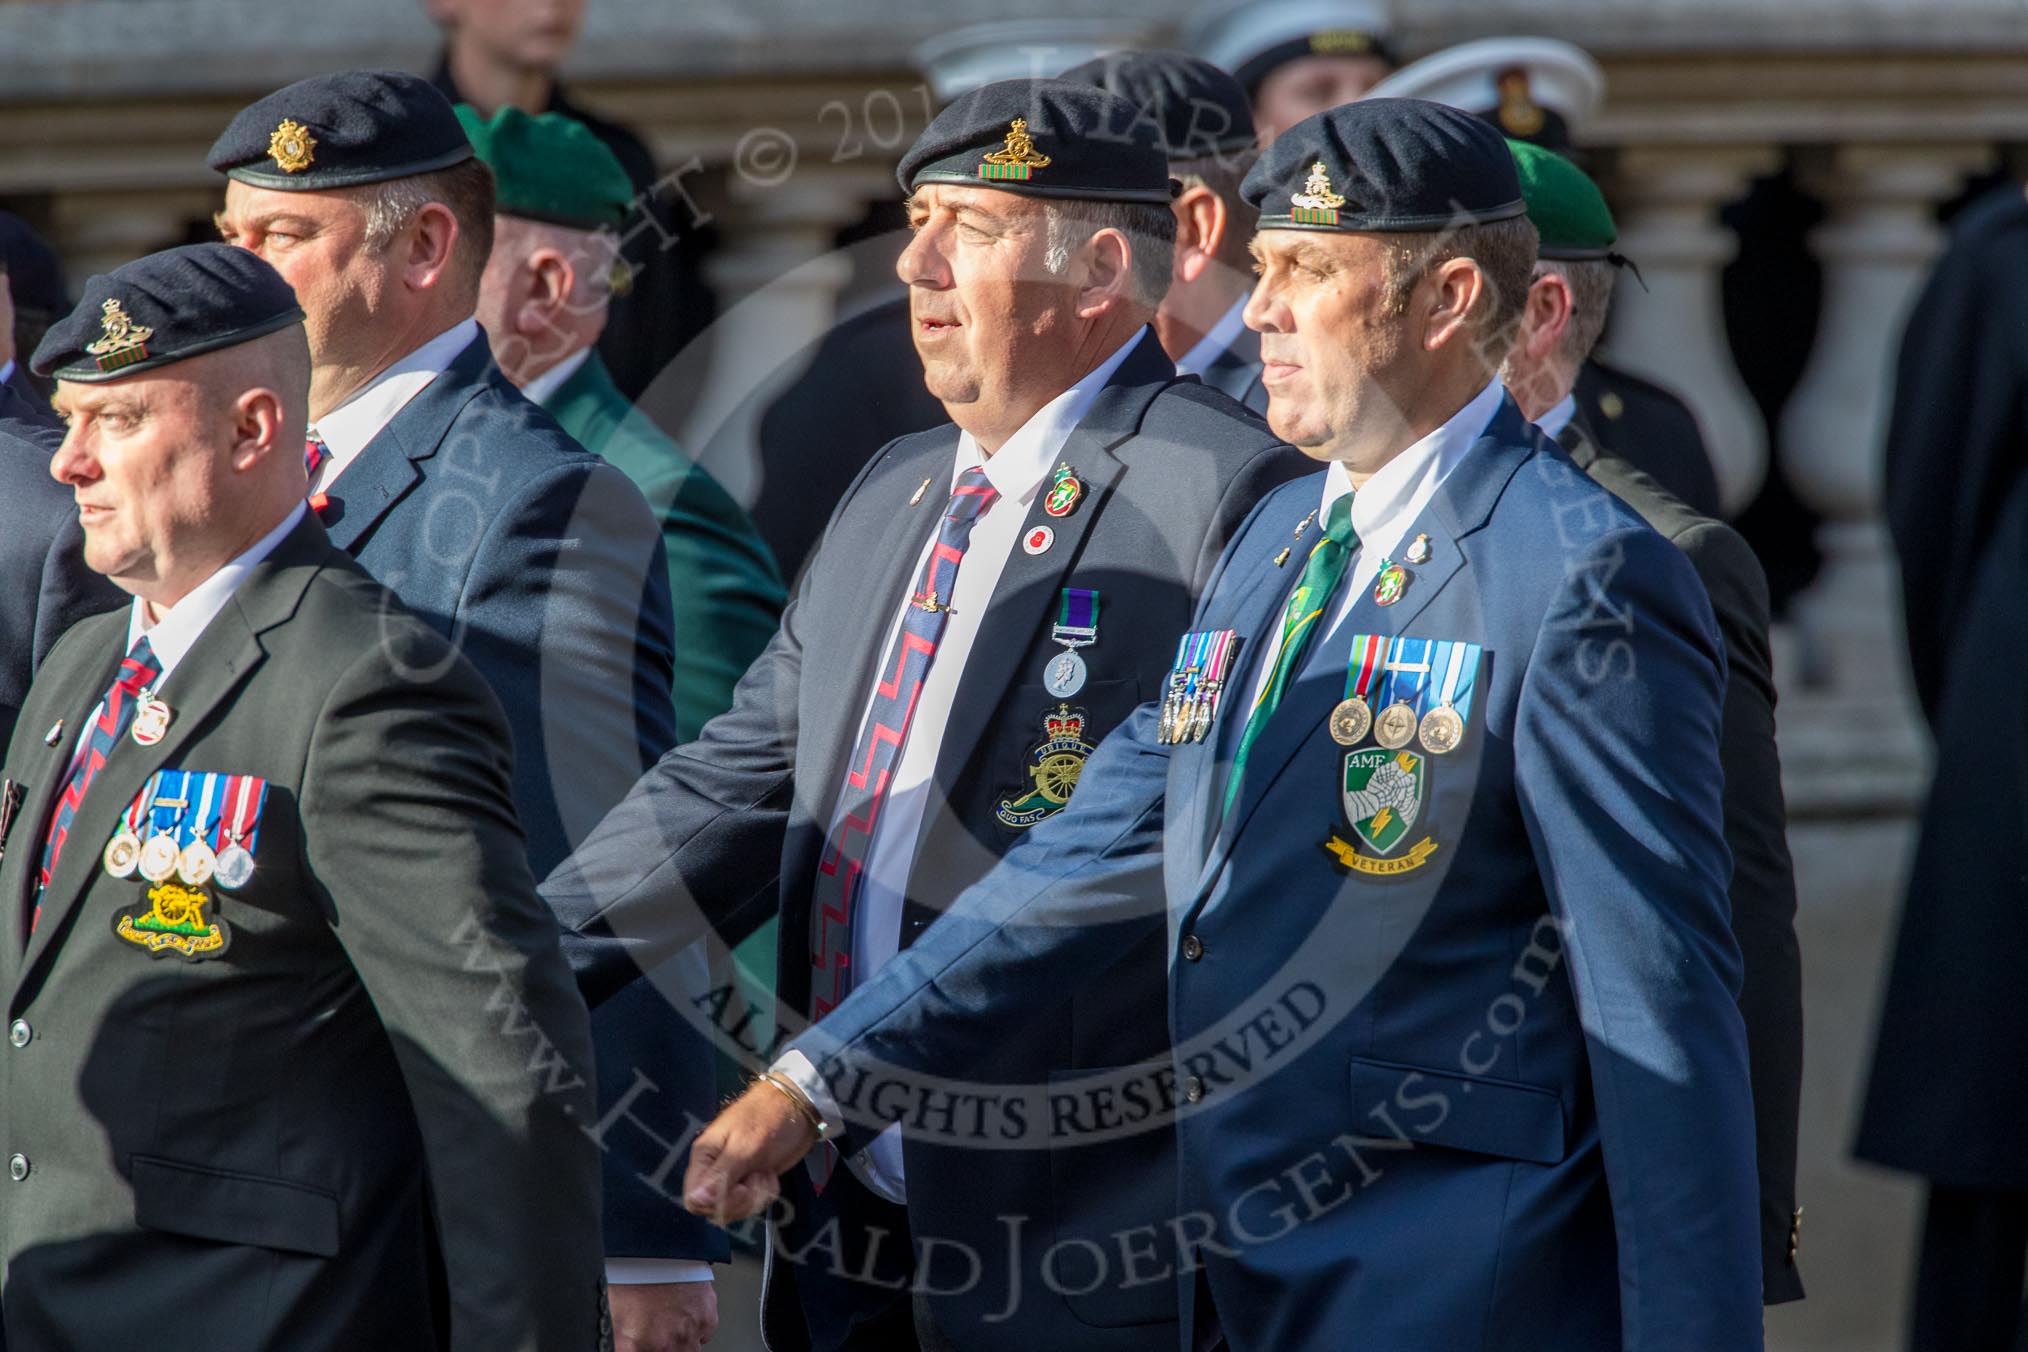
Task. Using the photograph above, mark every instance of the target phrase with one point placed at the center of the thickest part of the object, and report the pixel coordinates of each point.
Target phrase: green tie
(1321, 574)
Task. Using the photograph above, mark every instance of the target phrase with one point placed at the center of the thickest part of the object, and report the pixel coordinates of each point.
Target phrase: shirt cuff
(799, 1071)
(655, 1271)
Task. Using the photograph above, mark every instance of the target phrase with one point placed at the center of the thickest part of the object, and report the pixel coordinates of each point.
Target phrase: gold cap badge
(1316, 204)
(292, 147)
(1018, 159)
(1341, 42)
(1519, 113)
(122, 341)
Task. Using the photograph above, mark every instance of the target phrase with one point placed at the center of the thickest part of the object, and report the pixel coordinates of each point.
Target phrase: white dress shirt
(538, 389)
(346, 429)
(1558, 418)
(172, 635)
(6, 371)
(1385, 508)
(1213, 345)
(1018, 471)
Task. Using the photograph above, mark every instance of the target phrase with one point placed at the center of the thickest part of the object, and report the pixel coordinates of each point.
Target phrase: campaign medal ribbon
(1076, 627)
(1407, 671)
(123, 852)
(1353, 716)
(165, 817)
(239, 824)
(1455, 668)
(1182, 679)
(1218, 662)
(196, 862)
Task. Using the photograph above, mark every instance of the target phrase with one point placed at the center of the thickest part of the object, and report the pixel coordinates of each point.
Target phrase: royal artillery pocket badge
(175, 923)
(1054, 766)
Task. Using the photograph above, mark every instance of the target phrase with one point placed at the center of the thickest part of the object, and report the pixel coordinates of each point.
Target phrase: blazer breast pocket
(1043, 743)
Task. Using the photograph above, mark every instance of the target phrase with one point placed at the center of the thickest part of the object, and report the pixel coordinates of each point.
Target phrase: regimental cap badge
(1520, 115)
(1341, 42)
(1017, 160)
(292, 147)
(1316, 204)
(122, 341)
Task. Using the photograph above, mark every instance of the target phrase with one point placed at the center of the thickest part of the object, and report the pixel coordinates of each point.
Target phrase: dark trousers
(1968, 1281)
(842, 1312)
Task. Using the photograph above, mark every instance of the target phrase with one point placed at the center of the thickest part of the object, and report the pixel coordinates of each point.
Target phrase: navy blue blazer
(544, 566)
(729, 829)
(41, 552)
(1496, 1101)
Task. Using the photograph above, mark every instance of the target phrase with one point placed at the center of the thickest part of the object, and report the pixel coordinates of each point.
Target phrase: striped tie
(836, 894)
(1322, 572)
(115, 716)
(315, 453)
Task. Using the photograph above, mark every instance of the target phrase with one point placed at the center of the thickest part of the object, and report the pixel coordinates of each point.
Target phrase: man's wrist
(806, 1108)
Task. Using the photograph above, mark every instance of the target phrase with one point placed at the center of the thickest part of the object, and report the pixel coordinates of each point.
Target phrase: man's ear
(548, 278)
(257, 428)
(1547, 315)
(432, 243)
(1456, 288)
(1108, 273)
(1201, 223)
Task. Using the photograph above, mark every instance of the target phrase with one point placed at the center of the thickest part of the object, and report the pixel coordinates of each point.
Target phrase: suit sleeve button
(1193, 1092)
(1193, 947)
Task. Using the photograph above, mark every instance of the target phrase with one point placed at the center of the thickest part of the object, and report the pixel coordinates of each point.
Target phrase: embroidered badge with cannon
(188, 835)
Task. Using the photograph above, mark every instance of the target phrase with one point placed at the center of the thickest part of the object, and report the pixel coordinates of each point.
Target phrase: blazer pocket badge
(1054, 765)
(188, 833)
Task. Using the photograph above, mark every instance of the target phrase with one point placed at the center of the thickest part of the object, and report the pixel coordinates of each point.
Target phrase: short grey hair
(465, 189)
(1505, 252)
(1591, 297)
(1151, 237)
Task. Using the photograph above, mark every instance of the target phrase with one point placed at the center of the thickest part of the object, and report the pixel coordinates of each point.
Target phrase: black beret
(163, 308)
(1385, 164)
(338, 131)
(1197, 109)
(1042, 138)
(34, 275)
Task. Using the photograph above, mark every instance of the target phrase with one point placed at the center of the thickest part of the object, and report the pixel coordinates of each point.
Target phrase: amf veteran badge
(1382, 795)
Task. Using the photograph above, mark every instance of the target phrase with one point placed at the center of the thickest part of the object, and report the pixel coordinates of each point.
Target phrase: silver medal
(196, 864)
(123, 853)
(158, 858)
(1064, 676)
(235, 866)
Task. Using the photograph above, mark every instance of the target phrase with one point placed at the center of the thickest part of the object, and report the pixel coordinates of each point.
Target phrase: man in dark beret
(1457, 1050)
(290, 1038)
(1565, 313)
(560, 198)
(990, 599)
(1202, 116)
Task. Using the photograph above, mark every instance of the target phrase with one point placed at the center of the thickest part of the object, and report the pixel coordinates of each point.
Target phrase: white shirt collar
(172, 636)
(6, 371)
(1553, 422)
(1018, 468)
(1214, 344)
(538, 389)
(346, 429)
(1400, 485)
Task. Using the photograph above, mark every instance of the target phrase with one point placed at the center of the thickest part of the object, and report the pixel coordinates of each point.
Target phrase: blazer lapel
(384, 472)
(224, 656)
(1459, 507)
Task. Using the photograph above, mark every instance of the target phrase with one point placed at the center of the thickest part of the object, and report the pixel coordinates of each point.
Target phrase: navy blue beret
(34, 276)
(1042, 138)
(1385, 165)
(338, 131)
(163, 308)
(1197, 109)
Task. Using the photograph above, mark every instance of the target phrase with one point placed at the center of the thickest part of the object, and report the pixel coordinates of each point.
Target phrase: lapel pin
(151, 719)
(921, 489)
(54, 735)
(1064, 493)
(1418, 549)
(1304, 524)
(1038, 540)
(1282, 557)
(1392, 582)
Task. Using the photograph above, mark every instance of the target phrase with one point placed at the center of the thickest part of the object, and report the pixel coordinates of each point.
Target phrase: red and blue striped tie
(836, 895)
(315, 453)
(115, 716)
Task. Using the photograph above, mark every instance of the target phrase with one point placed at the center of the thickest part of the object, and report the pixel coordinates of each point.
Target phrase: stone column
(1876, 244)
(778, 279)
(1673, 332)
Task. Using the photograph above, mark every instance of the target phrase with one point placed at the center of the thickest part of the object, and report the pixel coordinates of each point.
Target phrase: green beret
(1569, 211)
(550, 168)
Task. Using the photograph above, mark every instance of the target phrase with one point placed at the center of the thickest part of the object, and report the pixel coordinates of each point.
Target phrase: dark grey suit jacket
(47, 587)
(1237, 372)
(729, 829)
(1763, 880)
(357, 1126)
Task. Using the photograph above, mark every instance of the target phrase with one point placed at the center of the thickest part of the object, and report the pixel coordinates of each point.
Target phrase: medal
(151, 718)
(166, 806)
(1354, 716)
(195, 864)
(1455, 667)
(1392, 582)
(1064, 493)
(1076, 627)
(240, 822)
(1223, 644)
(158, 859)
(1196, 683)
(1418, 549)
(235, 867)
(123, 852)
(1395, 727)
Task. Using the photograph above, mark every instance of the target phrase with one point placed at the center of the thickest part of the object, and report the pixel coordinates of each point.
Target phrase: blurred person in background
(1294, 58)
(35, 298)
(501, 53)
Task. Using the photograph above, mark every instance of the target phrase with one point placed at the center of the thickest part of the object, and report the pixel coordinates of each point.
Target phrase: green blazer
(357, 1123)
(727, 590)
